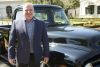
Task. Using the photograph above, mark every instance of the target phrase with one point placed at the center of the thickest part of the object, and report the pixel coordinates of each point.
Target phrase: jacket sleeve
(45, 42)
(12, 40)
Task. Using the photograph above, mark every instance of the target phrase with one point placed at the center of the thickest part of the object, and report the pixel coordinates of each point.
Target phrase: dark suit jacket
(19, 32)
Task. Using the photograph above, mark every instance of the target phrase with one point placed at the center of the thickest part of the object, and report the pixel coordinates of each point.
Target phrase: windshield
(60, 17)
(19, 15)
(50, 16)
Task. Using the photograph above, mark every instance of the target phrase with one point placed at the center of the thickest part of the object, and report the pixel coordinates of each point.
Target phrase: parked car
(72, 46)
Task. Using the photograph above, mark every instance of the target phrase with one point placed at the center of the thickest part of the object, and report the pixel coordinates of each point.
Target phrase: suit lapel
(35, 27)
(24, 28)
(35, 24)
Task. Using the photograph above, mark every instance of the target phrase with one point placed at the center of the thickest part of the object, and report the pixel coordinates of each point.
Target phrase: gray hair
(27, 4)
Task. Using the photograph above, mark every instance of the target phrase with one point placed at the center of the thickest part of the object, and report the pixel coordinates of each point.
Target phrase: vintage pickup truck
(73, 46)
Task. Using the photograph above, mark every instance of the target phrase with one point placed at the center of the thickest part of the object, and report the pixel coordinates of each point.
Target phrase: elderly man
(30, 33)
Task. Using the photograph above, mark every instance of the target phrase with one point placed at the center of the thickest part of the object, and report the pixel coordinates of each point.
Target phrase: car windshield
(50, 16)
(60, 17)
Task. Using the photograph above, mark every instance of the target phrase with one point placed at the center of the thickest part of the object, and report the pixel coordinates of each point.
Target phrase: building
(8, 6)
(89, 9)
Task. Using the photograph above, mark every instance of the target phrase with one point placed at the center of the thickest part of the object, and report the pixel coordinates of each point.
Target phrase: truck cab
(53, 15)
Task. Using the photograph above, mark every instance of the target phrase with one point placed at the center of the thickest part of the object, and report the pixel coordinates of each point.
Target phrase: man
(30, 34)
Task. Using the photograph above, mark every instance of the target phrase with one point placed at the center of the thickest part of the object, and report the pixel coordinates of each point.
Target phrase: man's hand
(12, 61)
(46, 59)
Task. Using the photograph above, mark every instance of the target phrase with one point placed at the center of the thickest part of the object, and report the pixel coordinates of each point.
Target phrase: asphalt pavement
(3, 63)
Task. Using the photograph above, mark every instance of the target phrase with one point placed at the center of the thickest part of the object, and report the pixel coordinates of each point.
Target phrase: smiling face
(28, 11)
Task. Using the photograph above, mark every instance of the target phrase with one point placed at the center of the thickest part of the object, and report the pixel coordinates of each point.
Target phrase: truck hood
(72, 52)
(82, 31)
(74, 32)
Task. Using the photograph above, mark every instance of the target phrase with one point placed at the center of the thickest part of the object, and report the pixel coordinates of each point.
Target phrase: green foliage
(57, 2)
(74, 3)
(67, 4)
(54, 2)
(71, 4)
(37, 1)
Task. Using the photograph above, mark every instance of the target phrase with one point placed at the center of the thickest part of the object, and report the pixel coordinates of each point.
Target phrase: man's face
(28, 12)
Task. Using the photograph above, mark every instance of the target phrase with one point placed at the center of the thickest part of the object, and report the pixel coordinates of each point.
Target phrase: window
(9, 11)
(19, 15)
(90, 9)
(41, 14)
(98, 9)
(59, 17)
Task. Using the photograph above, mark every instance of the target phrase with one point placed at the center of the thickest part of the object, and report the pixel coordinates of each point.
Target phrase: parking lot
(3, 63)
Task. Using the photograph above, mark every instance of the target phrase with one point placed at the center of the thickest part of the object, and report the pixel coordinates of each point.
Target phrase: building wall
(73, 13)
(84, 4)
(4, 4)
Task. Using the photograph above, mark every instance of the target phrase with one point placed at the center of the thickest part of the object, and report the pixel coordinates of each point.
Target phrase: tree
(37, 1)
(27, 0)
(56, 2)
(75, 4)
(32, 1)
(71, 4)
